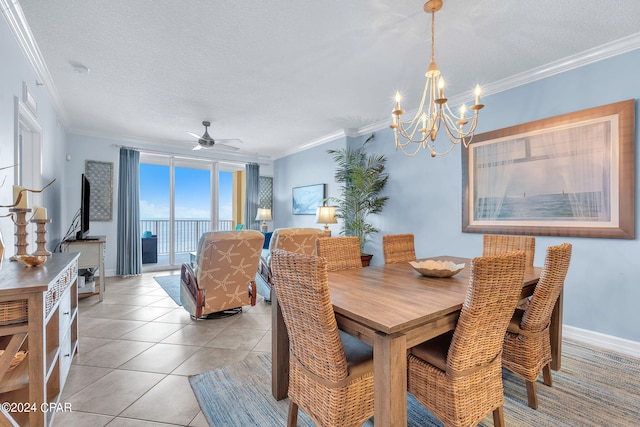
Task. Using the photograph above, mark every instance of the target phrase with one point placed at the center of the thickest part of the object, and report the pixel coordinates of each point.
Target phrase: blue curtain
(253, 196)
(129, 260)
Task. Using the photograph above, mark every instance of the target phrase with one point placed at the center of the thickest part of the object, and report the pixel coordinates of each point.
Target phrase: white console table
(92, 254)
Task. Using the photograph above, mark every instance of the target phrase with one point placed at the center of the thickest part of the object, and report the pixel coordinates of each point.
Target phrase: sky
(192, 188)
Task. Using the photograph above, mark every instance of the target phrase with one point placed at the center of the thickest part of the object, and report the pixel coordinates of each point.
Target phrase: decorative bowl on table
(436, 268)
(31, 260)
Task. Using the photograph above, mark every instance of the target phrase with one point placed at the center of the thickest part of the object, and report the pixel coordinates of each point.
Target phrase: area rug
(171, 285)
(593, 388)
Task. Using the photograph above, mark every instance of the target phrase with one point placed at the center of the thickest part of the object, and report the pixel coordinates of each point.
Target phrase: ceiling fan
(207, 142)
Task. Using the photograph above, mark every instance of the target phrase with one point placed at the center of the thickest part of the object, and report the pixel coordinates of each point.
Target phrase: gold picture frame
(568, 175)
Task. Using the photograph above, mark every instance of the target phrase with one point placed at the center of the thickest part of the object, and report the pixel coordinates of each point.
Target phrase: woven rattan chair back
(319, 381)
(496, 244)
(494, 289)
(556, 264)
(303, 293)
(398, 248)
(467, 384)
(341, 253)
(527, 348)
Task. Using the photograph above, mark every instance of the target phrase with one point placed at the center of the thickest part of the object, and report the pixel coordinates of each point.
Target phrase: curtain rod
(186, 156)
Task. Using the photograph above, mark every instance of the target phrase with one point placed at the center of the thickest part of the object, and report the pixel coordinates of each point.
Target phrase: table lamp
(326, 215)
(264, 215)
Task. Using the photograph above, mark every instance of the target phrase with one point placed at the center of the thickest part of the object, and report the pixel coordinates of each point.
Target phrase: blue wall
(312, 166)
(14, 70)
(601, 290)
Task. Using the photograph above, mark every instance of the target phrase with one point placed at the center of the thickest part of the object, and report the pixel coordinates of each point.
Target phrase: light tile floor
(137, 349)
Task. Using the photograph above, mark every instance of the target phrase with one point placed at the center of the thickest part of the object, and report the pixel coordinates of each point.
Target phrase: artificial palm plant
(362, 180)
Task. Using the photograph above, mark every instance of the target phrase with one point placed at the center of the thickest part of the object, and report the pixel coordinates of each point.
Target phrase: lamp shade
(264, 214)
(326, 215)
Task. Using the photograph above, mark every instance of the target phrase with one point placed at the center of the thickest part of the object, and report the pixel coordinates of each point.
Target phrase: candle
(39, 212)
(441, 88)
(23, 200)
(477, 93)
(398, 98)
(463, 108)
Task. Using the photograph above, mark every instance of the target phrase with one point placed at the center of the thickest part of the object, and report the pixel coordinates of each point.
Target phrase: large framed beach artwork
(569, 175)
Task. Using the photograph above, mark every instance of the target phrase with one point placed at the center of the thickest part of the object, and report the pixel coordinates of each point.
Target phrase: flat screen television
(85, 199)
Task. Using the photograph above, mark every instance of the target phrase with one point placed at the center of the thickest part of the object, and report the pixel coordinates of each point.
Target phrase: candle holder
(41, 250)
(20, 221)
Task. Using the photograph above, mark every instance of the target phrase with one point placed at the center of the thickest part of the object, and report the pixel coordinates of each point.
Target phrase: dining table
(392, 307)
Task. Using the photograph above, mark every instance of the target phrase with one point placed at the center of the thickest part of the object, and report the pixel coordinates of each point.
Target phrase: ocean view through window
(177, 204)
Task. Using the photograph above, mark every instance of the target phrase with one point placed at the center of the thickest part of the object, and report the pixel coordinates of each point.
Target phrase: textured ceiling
(278, 74)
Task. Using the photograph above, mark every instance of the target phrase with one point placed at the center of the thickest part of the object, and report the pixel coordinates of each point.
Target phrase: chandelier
(433, 112)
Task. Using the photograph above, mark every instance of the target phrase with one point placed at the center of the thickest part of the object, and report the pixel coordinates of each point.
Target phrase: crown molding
(605, 51)
(20, 28)
(342, 133)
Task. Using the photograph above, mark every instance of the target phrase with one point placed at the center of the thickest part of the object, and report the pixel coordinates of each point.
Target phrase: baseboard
(621, 345)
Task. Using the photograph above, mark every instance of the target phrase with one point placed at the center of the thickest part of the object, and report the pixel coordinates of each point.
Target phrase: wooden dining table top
(394, 298)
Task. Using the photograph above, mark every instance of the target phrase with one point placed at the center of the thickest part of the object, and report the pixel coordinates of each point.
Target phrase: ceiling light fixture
(433, 111)
(79, 68)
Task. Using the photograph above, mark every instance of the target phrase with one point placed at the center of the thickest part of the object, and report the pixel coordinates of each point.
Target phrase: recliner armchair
(224, 276)
(295, 239)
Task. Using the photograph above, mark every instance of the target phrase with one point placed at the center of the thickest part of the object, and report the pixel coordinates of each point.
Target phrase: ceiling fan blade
(194, 135)
(223, 147)
(229, 141)
(197, 147)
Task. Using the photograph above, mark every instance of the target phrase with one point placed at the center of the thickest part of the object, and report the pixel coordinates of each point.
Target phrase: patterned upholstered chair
(296, 240)
(527, 344)
(457, 376)
(224, 276)
(398, 248)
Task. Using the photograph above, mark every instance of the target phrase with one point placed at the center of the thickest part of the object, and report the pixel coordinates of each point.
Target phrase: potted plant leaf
(362, 180)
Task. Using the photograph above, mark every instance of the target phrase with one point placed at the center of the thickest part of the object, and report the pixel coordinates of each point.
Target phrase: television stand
(92, 252)
(88, 238)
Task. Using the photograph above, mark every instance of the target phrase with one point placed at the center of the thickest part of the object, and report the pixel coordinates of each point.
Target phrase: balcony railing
(187, 232)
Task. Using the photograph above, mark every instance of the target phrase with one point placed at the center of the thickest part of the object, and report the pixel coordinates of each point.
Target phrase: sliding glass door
(192, 203)
(180, 199)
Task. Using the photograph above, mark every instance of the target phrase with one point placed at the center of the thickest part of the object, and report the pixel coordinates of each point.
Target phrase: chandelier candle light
(433, 111)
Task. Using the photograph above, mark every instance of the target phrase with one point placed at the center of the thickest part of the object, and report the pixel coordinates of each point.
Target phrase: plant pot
(366, 259)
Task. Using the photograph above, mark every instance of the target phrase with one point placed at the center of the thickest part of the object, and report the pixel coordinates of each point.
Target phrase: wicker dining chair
(527, 348)
(341, 253)
(496, 244)
(457, 376)
(330, 372)
(398, 248)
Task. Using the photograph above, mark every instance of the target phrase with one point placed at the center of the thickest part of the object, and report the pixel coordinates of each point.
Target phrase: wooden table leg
(555, 331)
(279, 350)
(390, 380)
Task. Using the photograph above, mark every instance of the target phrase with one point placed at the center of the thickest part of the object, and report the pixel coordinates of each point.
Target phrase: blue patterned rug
(171, 285)
(593, 388)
